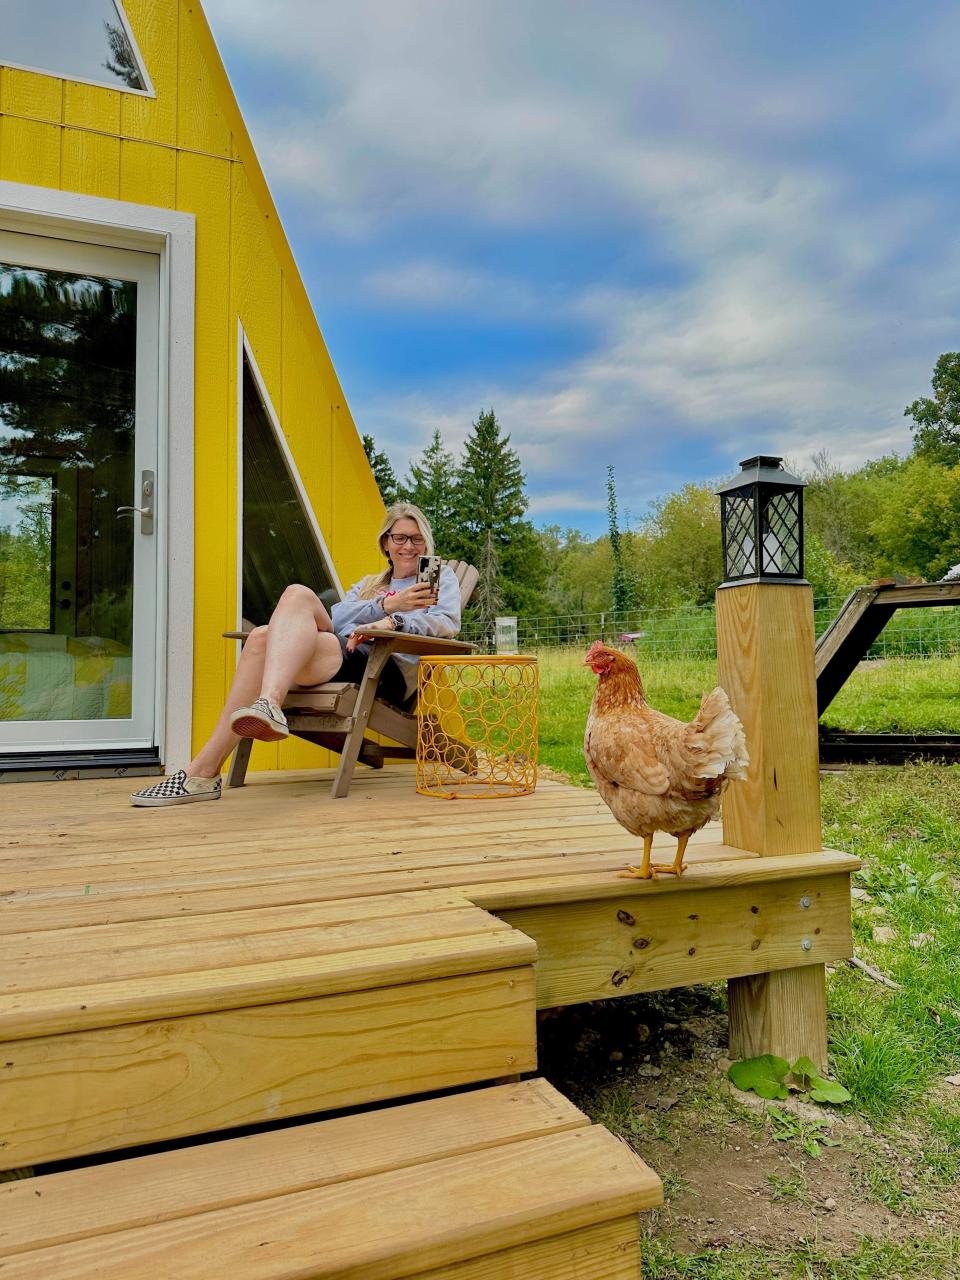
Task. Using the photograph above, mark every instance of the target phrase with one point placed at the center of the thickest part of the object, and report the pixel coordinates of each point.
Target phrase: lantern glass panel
(739, 534)
(780, 533)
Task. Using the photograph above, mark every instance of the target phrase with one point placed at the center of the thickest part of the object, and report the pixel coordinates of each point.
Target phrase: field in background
(690, 631)
(901, 695)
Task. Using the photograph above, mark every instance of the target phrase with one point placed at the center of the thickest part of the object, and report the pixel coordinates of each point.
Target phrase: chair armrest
(405, 642)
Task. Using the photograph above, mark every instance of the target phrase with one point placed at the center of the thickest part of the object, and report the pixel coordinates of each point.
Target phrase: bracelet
(386, 596)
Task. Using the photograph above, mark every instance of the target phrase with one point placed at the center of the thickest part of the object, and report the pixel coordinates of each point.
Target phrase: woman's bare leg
(208, 761)
(292, 642)
(285, 640)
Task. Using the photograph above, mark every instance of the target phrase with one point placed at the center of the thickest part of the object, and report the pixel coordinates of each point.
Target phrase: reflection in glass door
(78, 440)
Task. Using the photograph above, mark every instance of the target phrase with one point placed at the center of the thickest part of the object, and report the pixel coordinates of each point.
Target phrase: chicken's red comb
(596, 647)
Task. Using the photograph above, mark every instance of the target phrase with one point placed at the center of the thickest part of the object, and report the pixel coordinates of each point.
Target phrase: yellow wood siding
(157, 27)
(188, 149)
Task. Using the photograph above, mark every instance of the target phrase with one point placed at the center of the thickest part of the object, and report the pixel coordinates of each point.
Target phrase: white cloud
(804, 310)
(433, 285)
(565, 500)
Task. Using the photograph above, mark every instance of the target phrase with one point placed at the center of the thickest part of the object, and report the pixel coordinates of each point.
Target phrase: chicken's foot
(678, 868)
(644, 871)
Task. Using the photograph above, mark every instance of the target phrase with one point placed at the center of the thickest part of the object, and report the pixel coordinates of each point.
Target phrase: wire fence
(691, 631)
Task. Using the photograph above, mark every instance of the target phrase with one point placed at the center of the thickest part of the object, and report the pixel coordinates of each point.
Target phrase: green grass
(888, 1046)
(899, 695)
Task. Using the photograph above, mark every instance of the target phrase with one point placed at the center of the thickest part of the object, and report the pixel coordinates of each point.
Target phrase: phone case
(429, 570)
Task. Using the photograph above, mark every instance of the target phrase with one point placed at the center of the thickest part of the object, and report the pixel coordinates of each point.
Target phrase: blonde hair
(376, 582)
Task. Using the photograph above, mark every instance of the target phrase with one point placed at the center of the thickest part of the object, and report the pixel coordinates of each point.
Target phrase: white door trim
(96, 220)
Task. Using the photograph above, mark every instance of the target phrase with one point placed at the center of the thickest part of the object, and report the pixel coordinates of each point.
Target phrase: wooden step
(114, 1035)
(500, 1182)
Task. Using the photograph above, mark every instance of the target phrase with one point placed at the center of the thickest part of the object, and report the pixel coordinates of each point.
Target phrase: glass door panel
(78, 429)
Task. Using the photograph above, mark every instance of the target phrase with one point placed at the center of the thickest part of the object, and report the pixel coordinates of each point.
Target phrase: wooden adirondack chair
(338, 715)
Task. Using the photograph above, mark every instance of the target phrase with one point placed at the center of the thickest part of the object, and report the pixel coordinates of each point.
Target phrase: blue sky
(664, 235)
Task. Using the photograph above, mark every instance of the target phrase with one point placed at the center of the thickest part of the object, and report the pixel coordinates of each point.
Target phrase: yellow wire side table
(477, 726)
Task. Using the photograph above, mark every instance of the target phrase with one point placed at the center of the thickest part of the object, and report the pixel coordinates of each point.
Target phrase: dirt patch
(653, 1070)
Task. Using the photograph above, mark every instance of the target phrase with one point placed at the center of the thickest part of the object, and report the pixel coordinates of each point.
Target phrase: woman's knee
(298, 594)
(256, 641)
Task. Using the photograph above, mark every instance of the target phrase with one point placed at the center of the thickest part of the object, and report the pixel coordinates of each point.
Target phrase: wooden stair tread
(54, 1209)
(383, 1226)
(174, 978)
(105, 961)
(80, 939)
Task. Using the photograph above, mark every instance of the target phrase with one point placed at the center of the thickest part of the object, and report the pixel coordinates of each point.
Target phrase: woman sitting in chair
(305, 645)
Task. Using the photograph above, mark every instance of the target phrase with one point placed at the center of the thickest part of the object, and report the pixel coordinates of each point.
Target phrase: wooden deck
(278, 952)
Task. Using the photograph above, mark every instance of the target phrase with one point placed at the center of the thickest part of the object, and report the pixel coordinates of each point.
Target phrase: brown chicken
(656, 773)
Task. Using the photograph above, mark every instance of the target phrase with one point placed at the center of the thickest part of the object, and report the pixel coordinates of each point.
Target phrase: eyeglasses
(401, 540)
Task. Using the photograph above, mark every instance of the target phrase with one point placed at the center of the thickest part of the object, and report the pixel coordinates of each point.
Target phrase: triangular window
(282, 543)
(88, 40)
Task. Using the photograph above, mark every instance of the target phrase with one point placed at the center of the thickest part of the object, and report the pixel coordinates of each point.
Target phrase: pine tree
(621, 588)
(491, 502)
(383, 471)
(489, 599)
(432, 486)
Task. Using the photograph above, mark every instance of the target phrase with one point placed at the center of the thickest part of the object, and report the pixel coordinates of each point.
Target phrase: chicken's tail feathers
(717, 736)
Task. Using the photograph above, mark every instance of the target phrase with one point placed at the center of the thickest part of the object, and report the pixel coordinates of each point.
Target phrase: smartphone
(429, 571)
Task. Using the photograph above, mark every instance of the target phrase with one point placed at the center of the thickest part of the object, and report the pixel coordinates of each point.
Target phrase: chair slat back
(467, 576)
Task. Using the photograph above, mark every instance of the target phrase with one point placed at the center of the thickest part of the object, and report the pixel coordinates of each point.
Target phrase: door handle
(146, 497)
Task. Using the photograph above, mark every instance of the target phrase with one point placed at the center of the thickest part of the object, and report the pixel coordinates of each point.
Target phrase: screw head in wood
(805, 902)
(806, 944)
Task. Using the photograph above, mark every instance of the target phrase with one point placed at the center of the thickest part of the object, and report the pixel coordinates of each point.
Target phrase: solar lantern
(761, 516)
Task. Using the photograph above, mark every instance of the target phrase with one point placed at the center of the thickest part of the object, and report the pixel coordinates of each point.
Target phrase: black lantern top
(761, 515)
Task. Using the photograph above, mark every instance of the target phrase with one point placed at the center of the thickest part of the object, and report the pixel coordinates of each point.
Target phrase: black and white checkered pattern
(173, 790)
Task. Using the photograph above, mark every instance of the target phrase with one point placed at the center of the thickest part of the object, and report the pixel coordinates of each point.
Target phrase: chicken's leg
(677, 869)
(644, 871)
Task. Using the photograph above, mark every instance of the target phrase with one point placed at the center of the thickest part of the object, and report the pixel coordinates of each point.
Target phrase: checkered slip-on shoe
(177, 789)
(263, 721)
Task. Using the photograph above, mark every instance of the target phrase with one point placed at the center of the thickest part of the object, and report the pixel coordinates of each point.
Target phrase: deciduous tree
(936, 421)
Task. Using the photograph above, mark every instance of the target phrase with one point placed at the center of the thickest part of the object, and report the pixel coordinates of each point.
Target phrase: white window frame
(148, 92)
(117, 224)
(244, 349)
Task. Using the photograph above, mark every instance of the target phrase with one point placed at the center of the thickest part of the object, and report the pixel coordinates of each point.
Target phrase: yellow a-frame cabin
(158, 352)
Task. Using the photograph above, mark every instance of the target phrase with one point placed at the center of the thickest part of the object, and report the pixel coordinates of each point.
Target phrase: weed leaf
(764, 1075)
(828, 1091)
(805, 1070)
(816, 1087)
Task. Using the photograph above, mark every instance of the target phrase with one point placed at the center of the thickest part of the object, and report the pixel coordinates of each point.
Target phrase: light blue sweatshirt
(440, 619)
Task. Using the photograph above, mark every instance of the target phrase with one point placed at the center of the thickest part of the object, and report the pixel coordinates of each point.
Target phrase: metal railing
(690, 631)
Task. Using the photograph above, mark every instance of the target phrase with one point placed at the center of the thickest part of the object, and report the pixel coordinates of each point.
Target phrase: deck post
(765, 662)
(765, 641)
